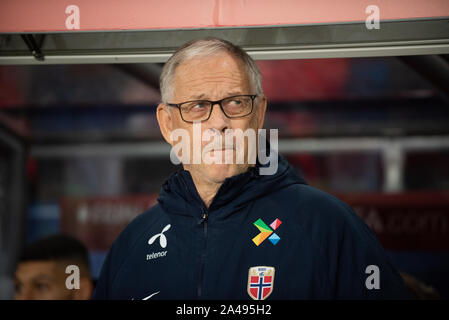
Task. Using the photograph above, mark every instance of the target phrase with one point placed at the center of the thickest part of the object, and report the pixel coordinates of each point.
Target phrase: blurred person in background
(41, 270)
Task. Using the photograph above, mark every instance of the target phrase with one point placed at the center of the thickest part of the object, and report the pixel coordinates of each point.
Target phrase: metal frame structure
(12, 206)
(392, 149)
(394, 38)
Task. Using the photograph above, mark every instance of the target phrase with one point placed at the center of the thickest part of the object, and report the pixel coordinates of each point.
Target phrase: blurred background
(373, 131)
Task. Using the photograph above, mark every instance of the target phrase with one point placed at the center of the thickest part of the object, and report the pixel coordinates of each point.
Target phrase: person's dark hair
(59, 248)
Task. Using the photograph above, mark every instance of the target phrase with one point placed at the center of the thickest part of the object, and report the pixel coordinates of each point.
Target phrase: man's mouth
(222, 149)
(218, 148)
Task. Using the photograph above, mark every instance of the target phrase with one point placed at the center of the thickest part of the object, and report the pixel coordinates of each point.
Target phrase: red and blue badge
(260, 282)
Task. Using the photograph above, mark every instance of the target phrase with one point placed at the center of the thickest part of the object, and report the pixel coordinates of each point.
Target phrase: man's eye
(42, 286)
(236, 101)
(198, 106)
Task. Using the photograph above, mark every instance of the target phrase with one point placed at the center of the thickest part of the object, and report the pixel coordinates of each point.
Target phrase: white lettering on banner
(417, 223)
(372, 219)
(409, 222)
(107, 213)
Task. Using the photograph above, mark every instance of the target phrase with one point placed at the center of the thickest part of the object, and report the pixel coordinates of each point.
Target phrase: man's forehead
(36, 269)
(222, 57)
(197, 77)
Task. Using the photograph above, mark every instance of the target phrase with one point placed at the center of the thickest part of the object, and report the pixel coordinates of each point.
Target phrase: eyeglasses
(200, 110)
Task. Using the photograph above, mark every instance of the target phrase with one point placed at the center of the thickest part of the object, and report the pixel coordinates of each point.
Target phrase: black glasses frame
(213, 103)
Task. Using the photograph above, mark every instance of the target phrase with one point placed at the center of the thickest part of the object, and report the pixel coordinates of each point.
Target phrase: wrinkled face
(41, 280)
(212, 78)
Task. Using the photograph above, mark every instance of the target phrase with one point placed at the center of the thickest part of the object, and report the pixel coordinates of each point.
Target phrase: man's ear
(164, 118)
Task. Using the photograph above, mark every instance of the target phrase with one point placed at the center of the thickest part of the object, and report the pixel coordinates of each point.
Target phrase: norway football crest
(260, 282)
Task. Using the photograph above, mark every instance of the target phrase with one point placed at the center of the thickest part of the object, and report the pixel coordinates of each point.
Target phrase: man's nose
(218, 119)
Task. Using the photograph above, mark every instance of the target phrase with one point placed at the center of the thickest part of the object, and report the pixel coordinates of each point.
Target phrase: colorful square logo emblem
(267, 232)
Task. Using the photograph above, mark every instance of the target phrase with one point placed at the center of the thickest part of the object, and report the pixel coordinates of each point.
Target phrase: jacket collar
(179, 195)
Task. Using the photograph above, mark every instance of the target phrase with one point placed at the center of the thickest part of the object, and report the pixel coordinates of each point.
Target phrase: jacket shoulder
(126, 242)
(345, 241)
(309, 203)
(138, 227)
(323, 215)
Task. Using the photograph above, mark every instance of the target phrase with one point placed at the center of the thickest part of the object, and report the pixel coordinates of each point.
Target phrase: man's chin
(219, 172)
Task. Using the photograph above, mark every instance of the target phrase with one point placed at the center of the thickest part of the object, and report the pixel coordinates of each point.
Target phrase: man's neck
(206, 189)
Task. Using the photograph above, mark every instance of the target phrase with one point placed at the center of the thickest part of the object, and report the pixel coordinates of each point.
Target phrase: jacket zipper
(204, 217)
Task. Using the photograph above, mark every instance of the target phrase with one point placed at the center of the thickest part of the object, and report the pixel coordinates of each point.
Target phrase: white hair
(201, 48)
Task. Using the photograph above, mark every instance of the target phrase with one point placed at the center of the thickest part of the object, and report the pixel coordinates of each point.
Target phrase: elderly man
(223, 230)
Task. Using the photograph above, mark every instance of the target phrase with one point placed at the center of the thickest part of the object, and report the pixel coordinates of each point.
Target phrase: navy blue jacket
(180, 249)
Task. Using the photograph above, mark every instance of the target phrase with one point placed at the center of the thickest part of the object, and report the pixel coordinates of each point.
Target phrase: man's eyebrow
(234, 93)
(199, 96)
(42, 277)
